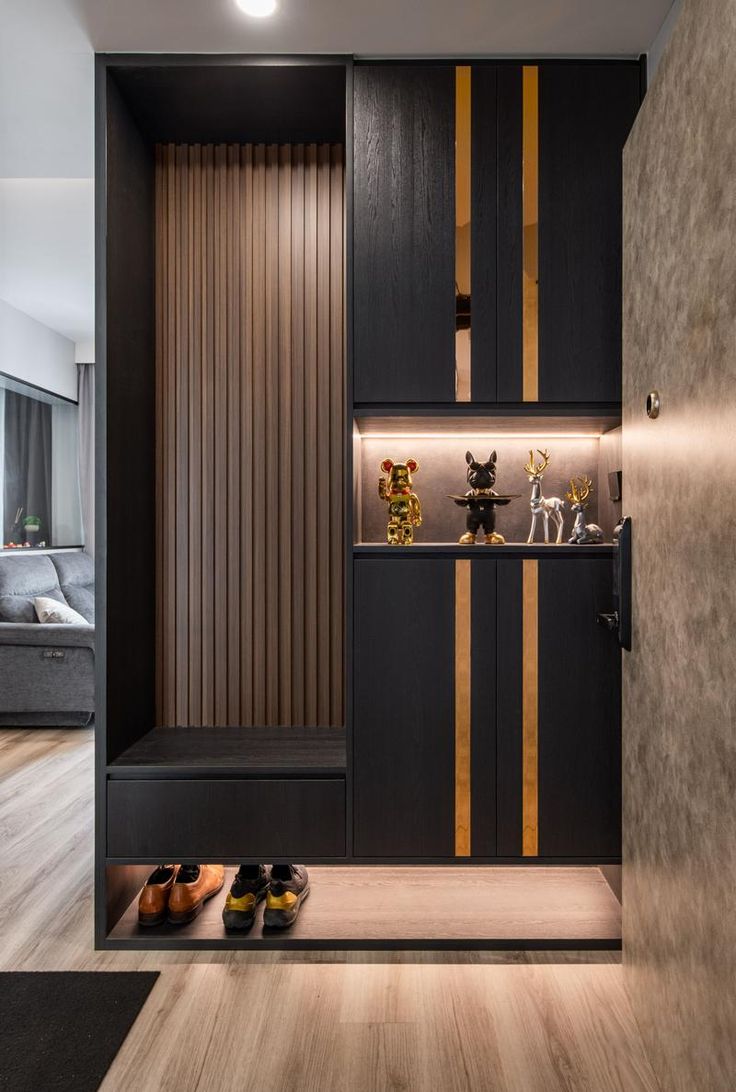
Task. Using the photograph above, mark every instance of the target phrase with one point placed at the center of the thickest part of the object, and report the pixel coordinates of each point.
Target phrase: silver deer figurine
(543, 506)
(582, 533)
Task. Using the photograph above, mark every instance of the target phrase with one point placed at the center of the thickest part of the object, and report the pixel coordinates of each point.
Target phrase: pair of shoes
(284, 887)
(177, 893)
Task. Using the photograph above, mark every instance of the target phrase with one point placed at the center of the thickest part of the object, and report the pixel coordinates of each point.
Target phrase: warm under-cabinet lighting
(540, 434)
(258, 8)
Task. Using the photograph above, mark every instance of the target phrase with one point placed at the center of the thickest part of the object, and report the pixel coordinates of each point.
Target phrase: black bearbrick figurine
(481, 509)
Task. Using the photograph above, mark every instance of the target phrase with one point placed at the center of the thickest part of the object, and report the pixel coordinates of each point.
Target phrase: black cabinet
(579, 713)
(404, 233)
(405, 230)
(542, 716)
(403, 740)
(585, 114)
(575, 691)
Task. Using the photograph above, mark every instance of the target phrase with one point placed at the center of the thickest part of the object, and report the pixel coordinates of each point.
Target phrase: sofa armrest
(39, 635)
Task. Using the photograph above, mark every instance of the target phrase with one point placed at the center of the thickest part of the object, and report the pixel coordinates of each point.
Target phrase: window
(39, 468)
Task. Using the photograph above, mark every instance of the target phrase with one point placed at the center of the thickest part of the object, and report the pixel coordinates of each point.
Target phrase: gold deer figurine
(582, 533)
(545, 507)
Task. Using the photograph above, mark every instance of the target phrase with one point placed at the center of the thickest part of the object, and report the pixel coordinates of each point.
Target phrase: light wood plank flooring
(522, 1022)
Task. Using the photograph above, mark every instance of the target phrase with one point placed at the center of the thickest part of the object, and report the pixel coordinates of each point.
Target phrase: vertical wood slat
(245, 302)
(194, 303)
(299, 476)
(336, 430)
(310, 435)
(284, 434)
(159, 277)
(208, 428)
(249, 383)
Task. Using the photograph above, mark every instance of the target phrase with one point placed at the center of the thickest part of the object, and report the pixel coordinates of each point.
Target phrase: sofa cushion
(22, 578)
(50, 611)
(76, 574)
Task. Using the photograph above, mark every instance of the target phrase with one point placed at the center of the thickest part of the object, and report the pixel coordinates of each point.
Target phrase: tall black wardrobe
(282, 245)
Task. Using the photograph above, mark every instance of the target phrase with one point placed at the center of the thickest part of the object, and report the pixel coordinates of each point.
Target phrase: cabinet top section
(247, 100)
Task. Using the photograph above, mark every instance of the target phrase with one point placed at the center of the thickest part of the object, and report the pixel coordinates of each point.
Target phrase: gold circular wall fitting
(654, 404)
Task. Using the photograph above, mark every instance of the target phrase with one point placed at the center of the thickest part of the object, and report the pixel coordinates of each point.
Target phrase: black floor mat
(62, 1030)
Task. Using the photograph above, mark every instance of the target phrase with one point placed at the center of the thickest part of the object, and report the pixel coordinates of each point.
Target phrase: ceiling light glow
(257, 8)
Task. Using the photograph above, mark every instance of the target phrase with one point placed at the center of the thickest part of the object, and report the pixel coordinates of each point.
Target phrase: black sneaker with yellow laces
(287, 891)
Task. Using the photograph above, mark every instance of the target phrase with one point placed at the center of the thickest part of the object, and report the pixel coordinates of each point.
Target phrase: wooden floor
(440, 905)
(350, 1021)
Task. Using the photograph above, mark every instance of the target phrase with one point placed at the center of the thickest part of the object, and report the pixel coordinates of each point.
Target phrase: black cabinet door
(403, 734)
(404, 233)
(579, 712)
(585, 114)
(569, 675)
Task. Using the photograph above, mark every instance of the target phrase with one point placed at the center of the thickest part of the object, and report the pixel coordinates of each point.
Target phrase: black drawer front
(219, 819)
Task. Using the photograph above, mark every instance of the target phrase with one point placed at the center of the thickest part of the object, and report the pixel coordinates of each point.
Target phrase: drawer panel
(212, 820)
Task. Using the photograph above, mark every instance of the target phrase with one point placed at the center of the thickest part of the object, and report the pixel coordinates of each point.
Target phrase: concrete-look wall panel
(679, 473)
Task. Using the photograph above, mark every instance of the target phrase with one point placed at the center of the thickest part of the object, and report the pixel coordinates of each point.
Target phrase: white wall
(32, 352)
(657, 48)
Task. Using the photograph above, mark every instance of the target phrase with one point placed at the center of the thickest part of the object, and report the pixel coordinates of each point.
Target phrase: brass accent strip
(530, 707)
(530, 229)
(462, 707)
(463, 115)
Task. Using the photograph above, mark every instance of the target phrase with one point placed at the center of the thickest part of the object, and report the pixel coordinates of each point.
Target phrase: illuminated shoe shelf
(375, 907)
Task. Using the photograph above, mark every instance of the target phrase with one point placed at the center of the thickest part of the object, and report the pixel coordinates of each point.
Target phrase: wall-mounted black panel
(404, 233)
(510, 235)
(403, 729)
(484, 225)
(126, 516)
(585, 114)
(508, 716)
(579, 712)
(483, 707)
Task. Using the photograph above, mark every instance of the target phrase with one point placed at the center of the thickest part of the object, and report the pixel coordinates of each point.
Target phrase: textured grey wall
(442, 470)
(679, 879)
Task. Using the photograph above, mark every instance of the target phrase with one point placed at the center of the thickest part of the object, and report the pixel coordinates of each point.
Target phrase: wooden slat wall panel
(249, 397)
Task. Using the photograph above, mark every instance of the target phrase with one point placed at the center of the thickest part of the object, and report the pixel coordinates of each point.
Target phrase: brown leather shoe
(194, 885)
(154, 898)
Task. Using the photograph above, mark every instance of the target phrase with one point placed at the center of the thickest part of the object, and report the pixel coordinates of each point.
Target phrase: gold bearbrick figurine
(404, 509)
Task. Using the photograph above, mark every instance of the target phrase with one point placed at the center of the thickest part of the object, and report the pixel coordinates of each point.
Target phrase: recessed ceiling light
(259, 8)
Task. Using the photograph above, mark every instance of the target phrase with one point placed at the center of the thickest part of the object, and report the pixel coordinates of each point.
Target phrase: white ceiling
(47, 88)
(377, 27)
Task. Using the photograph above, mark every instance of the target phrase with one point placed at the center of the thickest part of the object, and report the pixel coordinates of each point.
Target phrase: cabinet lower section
(486, 718)
(211, 820)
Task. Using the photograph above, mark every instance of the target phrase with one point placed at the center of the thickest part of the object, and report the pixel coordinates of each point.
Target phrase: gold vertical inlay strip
(530, 241)
(462, 708)
(463, 108)
(530, 706)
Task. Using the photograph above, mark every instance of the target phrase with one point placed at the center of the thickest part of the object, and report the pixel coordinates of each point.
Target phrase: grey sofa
(47, 672)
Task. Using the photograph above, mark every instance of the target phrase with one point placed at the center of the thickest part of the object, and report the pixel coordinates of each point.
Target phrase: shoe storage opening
(380, 907)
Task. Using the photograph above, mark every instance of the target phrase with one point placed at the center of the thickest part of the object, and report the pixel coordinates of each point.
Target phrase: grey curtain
(27, 465)
(86, 397)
